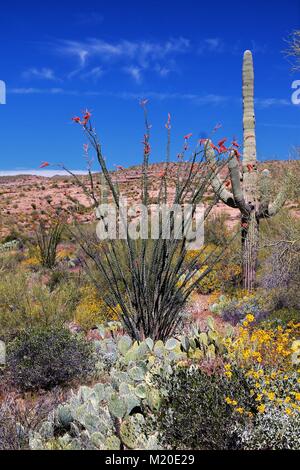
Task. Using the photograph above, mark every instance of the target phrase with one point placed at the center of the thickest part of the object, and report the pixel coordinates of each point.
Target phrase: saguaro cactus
(245, 182)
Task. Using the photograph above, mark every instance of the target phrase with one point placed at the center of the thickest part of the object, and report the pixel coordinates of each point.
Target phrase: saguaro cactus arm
(278, 203)
(235, 177)
(216, 183)
(270, 209)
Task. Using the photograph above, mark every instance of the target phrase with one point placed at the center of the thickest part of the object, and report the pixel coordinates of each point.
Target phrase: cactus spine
(245, 182)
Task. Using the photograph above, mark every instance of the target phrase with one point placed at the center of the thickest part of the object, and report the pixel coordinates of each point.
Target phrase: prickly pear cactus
(112, 415)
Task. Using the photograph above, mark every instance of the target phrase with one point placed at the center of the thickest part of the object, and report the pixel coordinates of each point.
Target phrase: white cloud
(42, 74)
(270, 102)
(134, 72)
(197, 99)
(94, 74)
(37, 91)
(279, 125)
(133, 56)
(139, 50)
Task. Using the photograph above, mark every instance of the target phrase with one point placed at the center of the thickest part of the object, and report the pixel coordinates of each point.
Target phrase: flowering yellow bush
(91, 309)
(32, 261)
(269, 361)
(221, 276)
(65, 252)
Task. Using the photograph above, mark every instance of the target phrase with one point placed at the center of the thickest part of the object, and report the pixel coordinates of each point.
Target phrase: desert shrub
(25, 301)
(57, 277)
(9, 261)
(195, 415)
(234, 310)
(20, 417)
(283, 317)
(91, 309)
(216, 230)
(269, 360)
(13, 235)
(47, 357)
(225, 275)
(272, 430)
(48, 239)
(280, 273)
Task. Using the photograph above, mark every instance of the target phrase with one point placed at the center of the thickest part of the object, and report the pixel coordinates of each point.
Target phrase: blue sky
(58, 58)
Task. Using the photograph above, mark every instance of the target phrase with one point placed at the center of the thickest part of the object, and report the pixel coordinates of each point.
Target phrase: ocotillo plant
(48, 239)
(147, 281)
(246, 181)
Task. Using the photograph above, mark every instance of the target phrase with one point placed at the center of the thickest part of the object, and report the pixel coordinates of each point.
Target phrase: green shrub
(25, 302)
(47, 357)
(195, 414)
(283, 316)
(272, 430)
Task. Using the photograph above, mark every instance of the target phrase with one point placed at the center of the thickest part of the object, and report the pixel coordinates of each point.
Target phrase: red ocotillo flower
(222, 149)
(168, 123)
(87, 115)
(213, 146)
(44, 164)
(222, 142)
(146, 144)
(76, 119)
(187, 136)
(235, 144)
(250, 167)
(202, 141)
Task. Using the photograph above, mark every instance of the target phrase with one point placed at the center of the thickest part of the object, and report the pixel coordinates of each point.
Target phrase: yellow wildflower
(250, 318)
(261, 408)
(240, 410)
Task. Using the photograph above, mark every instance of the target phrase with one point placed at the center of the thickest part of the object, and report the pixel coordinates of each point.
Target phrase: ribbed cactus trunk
(250, 223)
(246, 182)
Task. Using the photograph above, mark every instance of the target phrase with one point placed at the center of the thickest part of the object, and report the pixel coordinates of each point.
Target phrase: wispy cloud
(271, 102)
(217, 45)
(279, 125)
(135, 72)
(197, 99)
(39, 91)
(41, 74)
(214, 44)
(131, 57)
(141, 51)
(94, 74)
